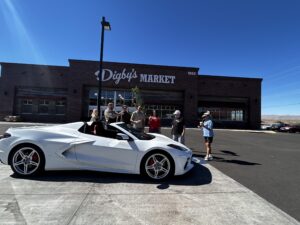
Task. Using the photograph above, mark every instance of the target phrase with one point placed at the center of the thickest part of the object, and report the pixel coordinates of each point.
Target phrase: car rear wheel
(158, 166)
(27, 160)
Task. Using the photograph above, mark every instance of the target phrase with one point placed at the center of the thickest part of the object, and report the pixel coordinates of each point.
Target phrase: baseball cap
(207, 113)
(177, 112)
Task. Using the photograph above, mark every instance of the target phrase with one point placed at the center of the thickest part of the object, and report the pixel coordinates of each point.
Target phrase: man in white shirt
(109, 114)
(138, 119)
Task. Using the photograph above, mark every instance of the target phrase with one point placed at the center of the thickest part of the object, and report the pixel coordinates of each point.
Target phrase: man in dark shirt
(125, 115)
(178, 127)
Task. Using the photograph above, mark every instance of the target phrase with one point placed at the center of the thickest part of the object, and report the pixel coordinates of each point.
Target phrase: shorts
(208, 139)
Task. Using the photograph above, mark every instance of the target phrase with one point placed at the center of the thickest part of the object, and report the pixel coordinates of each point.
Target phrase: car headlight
(5, 135)
(178, 147)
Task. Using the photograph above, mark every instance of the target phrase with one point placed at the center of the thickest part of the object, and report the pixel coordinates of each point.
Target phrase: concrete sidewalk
(204, 196)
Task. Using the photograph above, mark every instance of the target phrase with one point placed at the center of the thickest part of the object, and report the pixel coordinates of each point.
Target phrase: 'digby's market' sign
(116, 76)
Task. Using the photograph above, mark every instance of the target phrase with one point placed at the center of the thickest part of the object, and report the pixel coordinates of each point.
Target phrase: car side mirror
(121, 136)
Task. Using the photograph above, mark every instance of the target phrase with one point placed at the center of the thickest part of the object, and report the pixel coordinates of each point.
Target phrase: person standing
(124, 115)
(138, 119)
(178, 127)
(154, 123)
(208, 134)
(94, 115)
(109, 114)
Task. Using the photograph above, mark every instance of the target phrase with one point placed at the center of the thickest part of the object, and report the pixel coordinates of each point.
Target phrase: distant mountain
(281, 117)
(290, 119)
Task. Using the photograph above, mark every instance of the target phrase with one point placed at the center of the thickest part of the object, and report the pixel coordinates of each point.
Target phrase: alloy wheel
(26, 161)
(157, 166)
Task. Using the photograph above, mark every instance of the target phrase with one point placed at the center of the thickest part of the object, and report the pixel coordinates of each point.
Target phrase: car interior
(100, 129)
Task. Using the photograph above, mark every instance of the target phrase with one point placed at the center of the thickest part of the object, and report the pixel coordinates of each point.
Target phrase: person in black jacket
(124, 115)
(178, 127)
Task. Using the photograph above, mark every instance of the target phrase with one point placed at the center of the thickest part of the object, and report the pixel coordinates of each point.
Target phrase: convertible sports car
(93, 146)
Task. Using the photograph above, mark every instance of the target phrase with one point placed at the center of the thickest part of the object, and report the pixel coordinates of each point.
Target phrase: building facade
(68, 93)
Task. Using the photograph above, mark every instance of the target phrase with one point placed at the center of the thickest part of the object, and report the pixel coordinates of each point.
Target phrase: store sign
(128, 76)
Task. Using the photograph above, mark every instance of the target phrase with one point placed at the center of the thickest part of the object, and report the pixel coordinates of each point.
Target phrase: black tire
(163, 166)
(27, 160)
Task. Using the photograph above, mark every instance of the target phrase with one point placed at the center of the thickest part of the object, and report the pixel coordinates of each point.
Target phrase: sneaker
(206, 157)
(210, 157)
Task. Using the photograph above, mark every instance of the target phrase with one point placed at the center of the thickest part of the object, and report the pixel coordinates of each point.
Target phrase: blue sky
(248, 38)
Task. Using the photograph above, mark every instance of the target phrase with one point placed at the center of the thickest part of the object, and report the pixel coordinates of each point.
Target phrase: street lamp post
(105, 26)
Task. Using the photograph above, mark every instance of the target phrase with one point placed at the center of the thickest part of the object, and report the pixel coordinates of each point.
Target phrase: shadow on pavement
(199, 175)
(229, 152)
(234, 161)
(224, 152)
(239, 162)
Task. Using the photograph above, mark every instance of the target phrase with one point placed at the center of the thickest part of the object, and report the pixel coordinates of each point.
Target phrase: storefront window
(224, 114)
(41, 103)
(43, 106)
(118, 97)
(121, 97)
(60, 107)
(93, 102)
(162, 111)
(110, 96)
(26, 107)
(124, 97)
(239, 115)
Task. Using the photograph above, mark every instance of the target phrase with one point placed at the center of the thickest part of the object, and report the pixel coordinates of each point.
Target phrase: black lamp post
(105, 26)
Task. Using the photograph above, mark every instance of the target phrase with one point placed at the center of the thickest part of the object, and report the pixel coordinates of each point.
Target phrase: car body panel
(290, 129)
(102, 152)
(265, 126)
(277, 126)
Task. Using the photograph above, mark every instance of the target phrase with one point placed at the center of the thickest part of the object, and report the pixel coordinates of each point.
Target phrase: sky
(240, 38)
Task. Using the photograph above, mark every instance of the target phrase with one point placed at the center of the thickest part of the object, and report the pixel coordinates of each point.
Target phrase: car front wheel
(158, 166)
(27, 160)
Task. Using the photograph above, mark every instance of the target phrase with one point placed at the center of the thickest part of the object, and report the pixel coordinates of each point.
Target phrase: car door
(107, 154)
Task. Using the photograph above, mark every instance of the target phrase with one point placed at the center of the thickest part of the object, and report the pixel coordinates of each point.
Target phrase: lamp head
(105, 24)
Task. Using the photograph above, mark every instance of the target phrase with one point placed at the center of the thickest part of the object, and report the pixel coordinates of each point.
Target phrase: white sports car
(93, 146)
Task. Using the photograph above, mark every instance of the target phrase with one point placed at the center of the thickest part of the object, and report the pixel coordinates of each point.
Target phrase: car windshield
(139, 135)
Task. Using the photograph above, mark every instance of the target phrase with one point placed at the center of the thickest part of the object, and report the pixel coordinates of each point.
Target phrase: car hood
(166, 140)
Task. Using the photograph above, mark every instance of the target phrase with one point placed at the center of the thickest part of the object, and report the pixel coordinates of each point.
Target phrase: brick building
(67, 93)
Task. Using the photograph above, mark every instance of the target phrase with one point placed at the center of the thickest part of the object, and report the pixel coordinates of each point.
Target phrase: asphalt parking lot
(264, 163)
